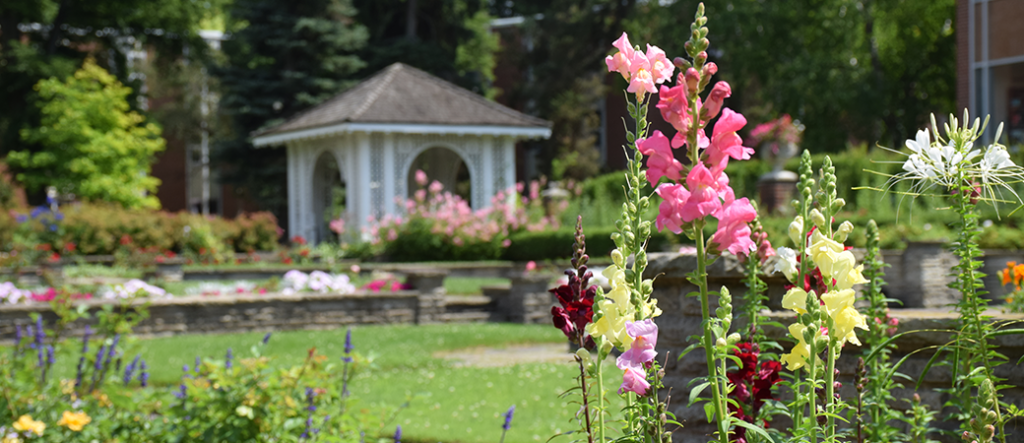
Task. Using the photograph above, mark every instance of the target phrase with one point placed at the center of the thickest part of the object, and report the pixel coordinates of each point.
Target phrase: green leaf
(695, 392)
(751, 427)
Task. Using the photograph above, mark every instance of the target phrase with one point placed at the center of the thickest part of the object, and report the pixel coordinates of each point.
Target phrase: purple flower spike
(185, 369)
(398, 434)
(182, 392)
(266, 338)
(508, 418)
(49, 355)
(40, 332)
(144, 375)
(99, 359)
(198, 364)
(17, 336)
(348, 341)
(228, 360)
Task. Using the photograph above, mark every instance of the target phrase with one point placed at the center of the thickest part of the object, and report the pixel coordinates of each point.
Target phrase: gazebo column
(509, 151)
(488, 170)
(300, 192)
(293, 191)
(361, 184)
(389, 181)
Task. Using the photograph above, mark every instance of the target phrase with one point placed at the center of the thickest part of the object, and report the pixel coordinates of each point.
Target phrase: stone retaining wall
(682, 318)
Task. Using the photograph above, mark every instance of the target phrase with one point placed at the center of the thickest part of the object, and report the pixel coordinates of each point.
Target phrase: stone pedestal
(430, 285)
(527, 299)
(776, 189)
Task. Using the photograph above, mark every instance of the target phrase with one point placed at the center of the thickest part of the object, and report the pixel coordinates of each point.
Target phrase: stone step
(466, 317)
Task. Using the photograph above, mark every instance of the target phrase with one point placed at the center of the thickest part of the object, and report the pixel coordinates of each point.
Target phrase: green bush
(558, 244)
(415, 241)
(107, 228)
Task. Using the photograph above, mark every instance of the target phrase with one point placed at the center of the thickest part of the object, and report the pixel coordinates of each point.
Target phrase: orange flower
(75, 421)
(1005, 276)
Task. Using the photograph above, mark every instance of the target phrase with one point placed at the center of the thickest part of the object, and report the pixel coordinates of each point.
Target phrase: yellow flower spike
(795, 299)
(846, 280)
(797, 358)
(836, 301)
(615, 310)
(25, 423)
(825, 252)
(845, 321)
(74, 421)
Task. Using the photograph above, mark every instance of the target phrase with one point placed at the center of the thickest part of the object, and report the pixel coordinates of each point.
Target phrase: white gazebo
(374, 136)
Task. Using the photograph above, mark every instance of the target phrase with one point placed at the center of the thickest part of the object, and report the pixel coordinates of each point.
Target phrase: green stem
(721, 412)
(830, 394)
(600, 398)
(812, 417)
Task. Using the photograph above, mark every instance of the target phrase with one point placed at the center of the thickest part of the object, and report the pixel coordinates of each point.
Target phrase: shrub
(546, 245)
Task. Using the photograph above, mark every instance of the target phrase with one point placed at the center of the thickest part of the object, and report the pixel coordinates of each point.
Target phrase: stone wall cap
(201, 300)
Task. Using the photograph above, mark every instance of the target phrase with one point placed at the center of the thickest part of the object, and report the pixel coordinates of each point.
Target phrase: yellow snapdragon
(615, 311)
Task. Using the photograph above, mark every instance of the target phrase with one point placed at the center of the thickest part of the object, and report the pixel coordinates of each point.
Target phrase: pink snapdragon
(704, 188)
(671, 208)
(641, 78)
(619, 62)
(725, 143)
(733, 232)
(660, 160)
(718, 94)
(639, 356)
(661, 67)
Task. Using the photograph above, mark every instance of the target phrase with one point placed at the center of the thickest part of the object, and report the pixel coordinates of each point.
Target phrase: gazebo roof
(406, 100)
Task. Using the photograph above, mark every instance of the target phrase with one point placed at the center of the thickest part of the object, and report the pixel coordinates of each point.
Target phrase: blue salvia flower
(40, 332)
(99, 359)
(198, 364)
(28, 333)
(21, 218)
(129, 371)
(40, 350)
(113, 348)
(310, 393)
(508, 418)
(182, 392)
(81, 360)
(266, 338)
(348, 341)
(49, 355)
(309, 427)
(185, 369)
(228, 360)
(144, 374)
(398, 434)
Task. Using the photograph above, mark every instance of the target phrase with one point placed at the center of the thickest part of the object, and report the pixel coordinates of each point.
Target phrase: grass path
(446, 402)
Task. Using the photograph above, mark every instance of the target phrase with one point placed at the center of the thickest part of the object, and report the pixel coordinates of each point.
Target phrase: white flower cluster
(954, 160)
(134, 287)
(10, 294)
(215, 288)
(316, 281)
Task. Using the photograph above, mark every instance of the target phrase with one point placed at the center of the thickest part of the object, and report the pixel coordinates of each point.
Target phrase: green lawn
(446, 403)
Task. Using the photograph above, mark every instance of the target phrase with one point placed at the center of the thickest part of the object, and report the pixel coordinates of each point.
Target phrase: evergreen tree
(282, 57)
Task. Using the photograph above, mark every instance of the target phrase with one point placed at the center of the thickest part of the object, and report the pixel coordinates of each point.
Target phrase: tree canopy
(92, 144)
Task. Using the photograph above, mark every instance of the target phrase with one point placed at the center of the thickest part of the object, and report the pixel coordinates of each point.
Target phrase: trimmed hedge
(99, 229)
(558, 244)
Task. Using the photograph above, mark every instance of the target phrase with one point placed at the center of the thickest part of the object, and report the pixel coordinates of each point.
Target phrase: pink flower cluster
(452, 218)
(639, 357)
(642, 70)
(699, 190)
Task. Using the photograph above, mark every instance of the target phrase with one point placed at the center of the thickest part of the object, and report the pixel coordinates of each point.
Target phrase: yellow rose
(795, 299)
(75, 421)
(845, 321)
(836, 301)
(25, 423)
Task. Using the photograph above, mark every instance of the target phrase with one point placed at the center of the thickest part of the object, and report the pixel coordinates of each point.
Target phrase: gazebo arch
(449, 184)
(326, 175)
(376, 130)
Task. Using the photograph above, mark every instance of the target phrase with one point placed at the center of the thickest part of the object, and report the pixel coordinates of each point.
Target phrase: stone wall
(682, 317)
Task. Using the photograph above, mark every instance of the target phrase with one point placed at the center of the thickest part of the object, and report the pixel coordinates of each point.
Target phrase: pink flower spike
(660, 160)
(661, 67)
(674, 196)
(718, 94)
(634, 380)
(641, 77)
(733, 232)
(674, 107)
(623, 45)
(725, 143)
(704, 190)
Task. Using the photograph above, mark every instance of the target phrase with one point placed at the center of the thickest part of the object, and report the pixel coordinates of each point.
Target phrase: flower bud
(917, 398)
(966, 436)
(818, 218)
(721, 342)
(583, 354)
(711, 68)
(844, 231)
(733, 338)
(681, 63)
(795, 229)
(701, 57)
(713, 105)
(617, 258)
(988, 432)
(691, 78)
(838, 204)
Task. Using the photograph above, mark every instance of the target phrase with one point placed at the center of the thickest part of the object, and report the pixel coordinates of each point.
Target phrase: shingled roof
(402, 95)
